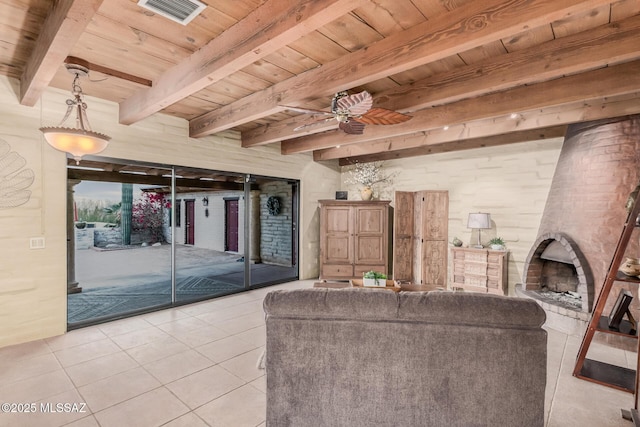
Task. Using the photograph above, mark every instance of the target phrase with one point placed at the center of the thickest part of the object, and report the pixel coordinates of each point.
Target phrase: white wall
(510, 182)
(210, 232)
(33, 282)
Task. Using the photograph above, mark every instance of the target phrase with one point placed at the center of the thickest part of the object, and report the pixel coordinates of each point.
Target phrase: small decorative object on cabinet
(366, 175)
(614, 376)
(366, 193)
(479, 270)
(354, 238)
(342, 195)
(497, 244)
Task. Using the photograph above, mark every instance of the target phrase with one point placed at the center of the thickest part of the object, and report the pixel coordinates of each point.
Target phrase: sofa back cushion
(353, 357)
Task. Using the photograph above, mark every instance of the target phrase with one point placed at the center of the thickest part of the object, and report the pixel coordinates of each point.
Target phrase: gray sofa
(354, 357)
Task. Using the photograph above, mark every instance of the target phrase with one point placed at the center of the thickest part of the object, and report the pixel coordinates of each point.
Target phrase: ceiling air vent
(181, 11)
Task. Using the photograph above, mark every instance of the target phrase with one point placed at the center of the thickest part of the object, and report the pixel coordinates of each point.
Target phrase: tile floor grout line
(557, 378)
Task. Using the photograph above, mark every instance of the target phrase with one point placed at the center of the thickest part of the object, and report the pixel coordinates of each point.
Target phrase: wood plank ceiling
(471, 73)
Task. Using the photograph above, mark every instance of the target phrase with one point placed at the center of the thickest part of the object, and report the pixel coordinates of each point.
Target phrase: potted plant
(374, 279)
(496, 243)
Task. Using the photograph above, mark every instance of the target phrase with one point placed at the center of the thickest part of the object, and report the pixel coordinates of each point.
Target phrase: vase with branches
(366, 175)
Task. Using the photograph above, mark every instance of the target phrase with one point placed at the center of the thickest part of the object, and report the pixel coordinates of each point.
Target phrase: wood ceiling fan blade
(306, 110)
(382, 116)
(352, 127)
(356, 104)
(311, 124)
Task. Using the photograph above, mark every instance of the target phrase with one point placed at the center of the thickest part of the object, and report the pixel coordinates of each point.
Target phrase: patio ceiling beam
(606, 45)
(593, 85)
(62, 28)
(268, 28)
(128, 178)
(463, 144)
(462, 29)
(544, 118)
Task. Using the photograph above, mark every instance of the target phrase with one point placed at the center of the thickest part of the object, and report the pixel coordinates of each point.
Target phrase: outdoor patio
(125, 280)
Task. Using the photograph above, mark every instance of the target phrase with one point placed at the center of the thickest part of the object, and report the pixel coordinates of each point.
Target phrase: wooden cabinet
(421, 223)
(354, 238)
(479, 270)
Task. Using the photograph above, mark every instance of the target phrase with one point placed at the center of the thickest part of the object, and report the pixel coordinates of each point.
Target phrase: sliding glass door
(209, 236)
(144, 237)
(121, 253)
(273, 235)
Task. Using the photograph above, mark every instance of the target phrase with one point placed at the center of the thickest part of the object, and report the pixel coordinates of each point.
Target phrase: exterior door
(190, 223)
(231, 220)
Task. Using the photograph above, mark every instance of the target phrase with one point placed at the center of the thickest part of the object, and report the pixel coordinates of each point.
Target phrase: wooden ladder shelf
(618, 377)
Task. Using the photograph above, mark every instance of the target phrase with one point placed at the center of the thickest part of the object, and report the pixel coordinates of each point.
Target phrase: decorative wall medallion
(14, 178)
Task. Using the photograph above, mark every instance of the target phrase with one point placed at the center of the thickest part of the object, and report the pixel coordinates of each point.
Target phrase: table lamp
(479, 221)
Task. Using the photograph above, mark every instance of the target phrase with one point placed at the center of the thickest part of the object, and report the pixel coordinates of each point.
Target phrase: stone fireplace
(558, 272)
(598, 167)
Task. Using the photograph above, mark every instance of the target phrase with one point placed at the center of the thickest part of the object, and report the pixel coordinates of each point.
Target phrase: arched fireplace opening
(557, 271)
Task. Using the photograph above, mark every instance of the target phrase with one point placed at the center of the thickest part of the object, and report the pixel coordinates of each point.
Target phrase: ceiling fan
(353, 112)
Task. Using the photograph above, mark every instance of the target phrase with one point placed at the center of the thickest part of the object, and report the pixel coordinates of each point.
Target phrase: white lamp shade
(77, 142)
(479, 220)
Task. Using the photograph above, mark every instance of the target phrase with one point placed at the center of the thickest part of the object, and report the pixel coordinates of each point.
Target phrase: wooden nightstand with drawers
(479, 270)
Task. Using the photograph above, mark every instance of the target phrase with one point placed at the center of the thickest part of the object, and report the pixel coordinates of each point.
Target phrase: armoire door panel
(337, 220)
(369, 221)
(370, 250)
(338, 249)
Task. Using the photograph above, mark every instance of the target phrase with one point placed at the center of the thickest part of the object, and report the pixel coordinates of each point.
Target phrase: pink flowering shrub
(148, 214)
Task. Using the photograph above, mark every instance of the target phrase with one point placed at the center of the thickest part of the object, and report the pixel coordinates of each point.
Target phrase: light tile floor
(196, 366)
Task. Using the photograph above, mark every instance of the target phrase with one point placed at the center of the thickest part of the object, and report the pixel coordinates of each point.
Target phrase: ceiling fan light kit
(353, 112)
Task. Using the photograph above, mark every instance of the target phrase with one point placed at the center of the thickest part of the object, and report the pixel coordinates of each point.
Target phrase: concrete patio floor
(124, 280)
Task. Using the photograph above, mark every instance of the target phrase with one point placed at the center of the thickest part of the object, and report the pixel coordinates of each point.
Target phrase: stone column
(72, 284)
(254, 211)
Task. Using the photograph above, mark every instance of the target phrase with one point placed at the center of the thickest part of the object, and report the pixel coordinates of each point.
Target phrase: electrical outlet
(36, 243)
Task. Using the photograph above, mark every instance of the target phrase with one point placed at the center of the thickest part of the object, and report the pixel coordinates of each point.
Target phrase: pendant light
(81, 140)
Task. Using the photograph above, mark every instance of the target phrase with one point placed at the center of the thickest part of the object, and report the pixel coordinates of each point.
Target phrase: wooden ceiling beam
(62, 28)
(129, 178)
(605, 45)
(462, 29)
(462, 144)
(270, 27)
(544, 118)
(611, 81)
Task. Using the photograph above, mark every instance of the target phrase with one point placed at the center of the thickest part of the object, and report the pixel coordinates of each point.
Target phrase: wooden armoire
(420, 246)
(354, 238)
